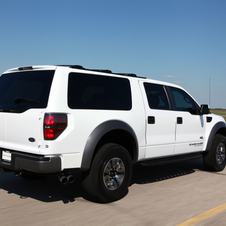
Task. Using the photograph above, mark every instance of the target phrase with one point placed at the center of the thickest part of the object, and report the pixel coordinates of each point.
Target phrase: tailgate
(22, 131)
(23, 96)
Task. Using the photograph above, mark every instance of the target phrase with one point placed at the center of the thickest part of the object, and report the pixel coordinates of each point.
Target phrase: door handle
(179, 120)
(151, 119)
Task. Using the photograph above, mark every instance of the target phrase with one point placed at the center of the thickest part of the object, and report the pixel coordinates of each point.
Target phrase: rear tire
(110, 173)
(215, 159)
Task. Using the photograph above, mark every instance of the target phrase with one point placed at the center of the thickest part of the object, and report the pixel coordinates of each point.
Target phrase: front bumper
(18, 161)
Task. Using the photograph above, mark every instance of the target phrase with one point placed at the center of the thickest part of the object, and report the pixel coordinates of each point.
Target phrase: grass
(221, 112)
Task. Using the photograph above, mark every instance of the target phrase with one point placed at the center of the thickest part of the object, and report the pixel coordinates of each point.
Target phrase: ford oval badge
(31, 139)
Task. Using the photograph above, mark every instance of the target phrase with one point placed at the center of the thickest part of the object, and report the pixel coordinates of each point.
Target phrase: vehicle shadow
(49, 189)
(143, 174)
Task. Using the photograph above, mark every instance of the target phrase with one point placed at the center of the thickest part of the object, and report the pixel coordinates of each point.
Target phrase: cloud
(169, 76)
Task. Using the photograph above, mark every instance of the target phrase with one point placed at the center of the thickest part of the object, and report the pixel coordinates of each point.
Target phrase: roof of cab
(81, 68)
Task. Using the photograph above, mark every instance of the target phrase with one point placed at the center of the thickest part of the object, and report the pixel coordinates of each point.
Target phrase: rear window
(86, 91)
(21, 91)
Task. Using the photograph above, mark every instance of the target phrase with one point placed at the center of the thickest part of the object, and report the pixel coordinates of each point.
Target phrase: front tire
(110, 173)
(215, 159)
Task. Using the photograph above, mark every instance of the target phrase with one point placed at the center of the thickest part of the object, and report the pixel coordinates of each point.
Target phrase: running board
(172, 159)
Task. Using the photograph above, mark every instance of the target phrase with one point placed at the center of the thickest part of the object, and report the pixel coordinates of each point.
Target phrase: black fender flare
(218, 126)
(97, 134)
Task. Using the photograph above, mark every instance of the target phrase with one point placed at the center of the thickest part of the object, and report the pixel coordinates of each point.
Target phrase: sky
(177, 41)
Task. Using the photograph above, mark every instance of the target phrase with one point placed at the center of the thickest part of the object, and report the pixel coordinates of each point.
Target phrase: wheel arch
(219, 128)
(113, 131)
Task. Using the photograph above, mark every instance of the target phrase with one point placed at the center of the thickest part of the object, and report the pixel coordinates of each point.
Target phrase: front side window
(88, 91)
(156, 96)
(183, 101)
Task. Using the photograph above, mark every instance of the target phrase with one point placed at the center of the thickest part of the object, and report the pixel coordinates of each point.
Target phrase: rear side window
(86, 91)
(23, 90)
(156, 96)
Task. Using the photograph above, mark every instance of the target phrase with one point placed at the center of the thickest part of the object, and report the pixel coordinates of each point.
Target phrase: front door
(190, 125)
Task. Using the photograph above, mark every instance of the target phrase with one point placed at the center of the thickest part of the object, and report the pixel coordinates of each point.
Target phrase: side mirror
(204, 109)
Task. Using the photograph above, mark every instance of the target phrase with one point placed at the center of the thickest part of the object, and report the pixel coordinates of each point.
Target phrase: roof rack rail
(128, 74)
(101, 70)
(81, 67)
(77, 67)
(72, 66)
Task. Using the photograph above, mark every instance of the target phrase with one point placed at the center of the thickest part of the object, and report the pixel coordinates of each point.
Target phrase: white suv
(56, 119)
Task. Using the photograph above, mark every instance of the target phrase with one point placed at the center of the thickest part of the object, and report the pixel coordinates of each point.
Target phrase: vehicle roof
(80, 69)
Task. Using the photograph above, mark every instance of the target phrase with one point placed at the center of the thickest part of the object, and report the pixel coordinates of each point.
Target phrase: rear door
(160, 121)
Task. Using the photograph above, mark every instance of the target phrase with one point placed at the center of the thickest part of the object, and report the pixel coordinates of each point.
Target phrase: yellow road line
(204, 216)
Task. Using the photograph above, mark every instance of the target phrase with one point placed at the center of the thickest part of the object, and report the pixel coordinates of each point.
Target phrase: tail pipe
(70, 179)
(66, 178)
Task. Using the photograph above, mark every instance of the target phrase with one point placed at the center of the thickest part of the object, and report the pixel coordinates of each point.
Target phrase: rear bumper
(17, 161)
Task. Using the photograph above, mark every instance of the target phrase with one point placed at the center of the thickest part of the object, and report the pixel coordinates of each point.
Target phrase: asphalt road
(161, 195)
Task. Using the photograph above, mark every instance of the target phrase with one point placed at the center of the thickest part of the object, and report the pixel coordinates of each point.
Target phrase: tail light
(54, 125)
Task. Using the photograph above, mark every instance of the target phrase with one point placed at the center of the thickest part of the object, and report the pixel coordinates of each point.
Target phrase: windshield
(21, 91)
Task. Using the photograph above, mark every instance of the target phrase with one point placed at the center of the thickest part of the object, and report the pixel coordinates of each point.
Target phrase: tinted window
(86, 91)
(30, 88)
(156, 96)
(183, 101)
